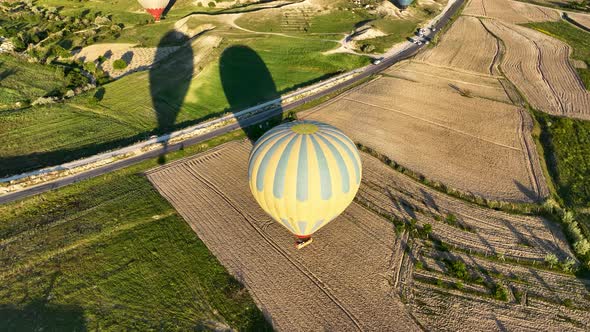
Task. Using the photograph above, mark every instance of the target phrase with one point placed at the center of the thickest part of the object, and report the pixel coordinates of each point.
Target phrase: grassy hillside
(23, 82)
(46, 135)
(111, 254)
(578, 39)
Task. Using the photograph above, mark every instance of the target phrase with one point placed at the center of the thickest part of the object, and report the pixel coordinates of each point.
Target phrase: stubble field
(345, 282)
(438, 130)
(323, 286)
(510, 11)
(467, 45)
(539, 66)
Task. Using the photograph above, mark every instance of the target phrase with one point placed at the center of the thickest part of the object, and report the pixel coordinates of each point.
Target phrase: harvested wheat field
(452, 310)
(583, 19)
(467, 83)
(511, 11)
(472, 144)
(342, 283)
(467, 45)
(474, 228)
(538, 65)
(543, 285)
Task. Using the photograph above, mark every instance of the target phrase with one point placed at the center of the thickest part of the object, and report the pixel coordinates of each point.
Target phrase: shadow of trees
(38, 315)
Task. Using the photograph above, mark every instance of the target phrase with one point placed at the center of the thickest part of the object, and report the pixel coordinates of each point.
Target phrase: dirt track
(539, 66)
(342, 282)
(432, 129)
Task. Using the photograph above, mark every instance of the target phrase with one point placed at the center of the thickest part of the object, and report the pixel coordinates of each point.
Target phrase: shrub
(211, 4)
(500, 292)
(119, 64)
(551, 260)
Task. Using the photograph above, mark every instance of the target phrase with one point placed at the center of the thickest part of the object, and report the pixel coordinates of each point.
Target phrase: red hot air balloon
(154, 7)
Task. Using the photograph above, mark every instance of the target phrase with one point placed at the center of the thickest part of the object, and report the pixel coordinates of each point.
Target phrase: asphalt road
(371, 70)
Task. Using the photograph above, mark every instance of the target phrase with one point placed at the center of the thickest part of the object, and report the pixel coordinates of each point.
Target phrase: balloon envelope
(304, 174)
(154, 7)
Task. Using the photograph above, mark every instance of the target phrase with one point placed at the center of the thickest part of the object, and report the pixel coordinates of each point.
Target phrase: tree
(119, 64)
(551, 259)
(427, 230)
(568, 265)
(582, 247)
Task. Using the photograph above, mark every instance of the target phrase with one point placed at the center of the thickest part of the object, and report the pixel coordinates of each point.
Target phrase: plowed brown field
(539, 66)
(510, 11)
(344, 281)
(472, 144)
(467, 45)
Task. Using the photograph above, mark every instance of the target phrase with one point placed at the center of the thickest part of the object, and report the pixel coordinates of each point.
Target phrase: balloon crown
(305, 128)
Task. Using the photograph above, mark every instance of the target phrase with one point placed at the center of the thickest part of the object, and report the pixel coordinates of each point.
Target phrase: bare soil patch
(539, 67)
(341, 282)
(469, 143)
(467, 45)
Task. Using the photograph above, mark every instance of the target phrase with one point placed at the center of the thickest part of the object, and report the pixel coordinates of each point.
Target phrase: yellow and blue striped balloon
(304, 174)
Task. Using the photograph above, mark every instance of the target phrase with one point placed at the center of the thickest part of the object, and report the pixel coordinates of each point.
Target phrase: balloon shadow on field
(247, 82)
(169, 81)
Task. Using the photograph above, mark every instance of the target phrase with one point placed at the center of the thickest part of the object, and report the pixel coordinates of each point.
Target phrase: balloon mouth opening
(305, 128)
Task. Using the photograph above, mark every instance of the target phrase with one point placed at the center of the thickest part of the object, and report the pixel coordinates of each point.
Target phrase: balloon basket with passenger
(303, 241)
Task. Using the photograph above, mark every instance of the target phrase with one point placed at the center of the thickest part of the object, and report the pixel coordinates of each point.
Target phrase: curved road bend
(370, 70)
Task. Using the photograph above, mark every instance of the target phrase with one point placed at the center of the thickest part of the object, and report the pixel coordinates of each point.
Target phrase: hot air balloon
(304, 174)
(154, 7)
(403, 4)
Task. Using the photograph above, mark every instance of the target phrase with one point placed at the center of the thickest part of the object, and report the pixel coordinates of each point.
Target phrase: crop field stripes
(548, 81)
(531, 158)
(296, 20)
(210, 191)
(433, 123)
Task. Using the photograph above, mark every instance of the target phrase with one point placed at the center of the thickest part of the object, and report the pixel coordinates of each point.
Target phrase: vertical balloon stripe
(344, 177)
(262, 143)
(302, 168)
(351, 155)
(317, 225)
(303, 174)
(325, 179)
(266, 159)
(281, 171)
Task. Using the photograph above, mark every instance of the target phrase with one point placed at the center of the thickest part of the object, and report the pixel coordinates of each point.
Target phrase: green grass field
(21, 81)
(578, 39)
(567, 149)
(111, 254)
(47, 135)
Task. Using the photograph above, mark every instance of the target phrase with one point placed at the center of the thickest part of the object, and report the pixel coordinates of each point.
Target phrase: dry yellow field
(456, 80)
(351, 277)
(583, 19)
(491, 232)
(467, 45)
(472, 144)
(342, 282)
(510, 11)
(539, 66)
